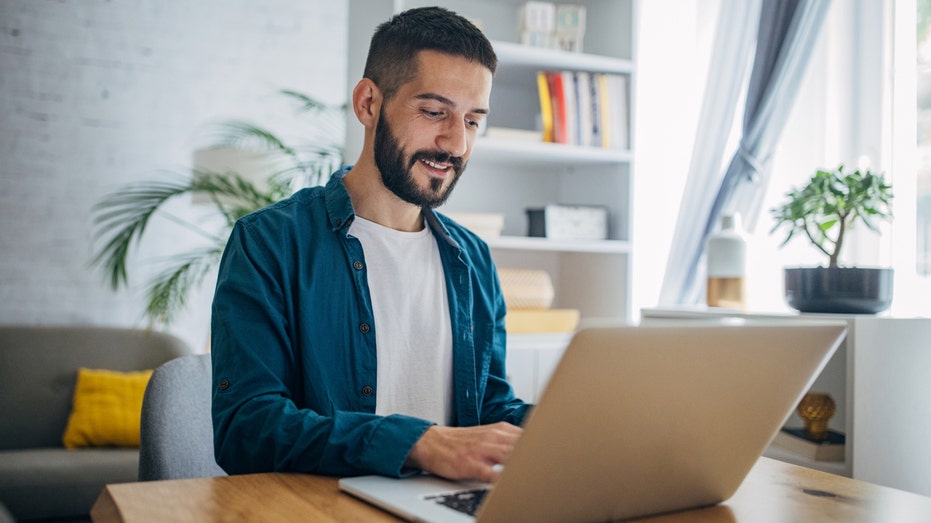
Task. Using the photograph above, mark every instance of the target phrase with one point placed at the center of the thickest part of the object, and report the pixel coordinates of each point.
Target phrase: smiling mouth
(438, 170)
(435, 165)
(439, 165)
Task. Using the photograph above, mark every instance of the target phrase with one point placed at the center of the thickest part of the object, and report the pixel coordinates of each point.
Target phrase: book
(558, 104)
(584, 108)
(569, 103)
(795, 441)
(546, 106)
(604, 106)
(595, 100)
(618, 111)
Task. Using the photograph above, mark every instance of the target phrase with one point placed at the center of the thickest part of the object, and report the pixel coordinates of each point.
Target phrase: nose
(454, 139)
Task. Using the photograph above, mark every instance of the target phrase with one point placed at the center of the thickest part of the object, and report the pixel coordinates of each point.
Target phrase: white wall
(95, 94)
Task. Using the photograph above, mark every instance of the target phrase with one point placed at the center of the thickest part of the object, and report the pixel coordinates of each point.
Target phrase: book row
(584, 108)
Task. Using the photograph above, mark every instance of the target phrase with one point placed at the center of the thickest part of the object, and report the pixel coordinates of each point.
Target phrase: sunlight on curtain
(727, 74)
(788, 30)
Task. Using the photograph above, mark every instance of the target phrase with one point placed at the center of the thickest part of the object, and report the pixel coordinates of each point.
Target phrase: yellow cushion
(106, 409)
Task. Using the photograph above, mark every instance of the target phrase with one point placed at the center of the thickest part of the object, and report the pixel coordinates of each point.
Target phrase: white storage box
(569, 222)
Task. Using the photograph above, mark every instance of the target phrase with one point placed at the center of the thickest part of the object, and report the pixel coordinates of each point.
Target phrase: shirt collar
(341, 214)
(338, 205)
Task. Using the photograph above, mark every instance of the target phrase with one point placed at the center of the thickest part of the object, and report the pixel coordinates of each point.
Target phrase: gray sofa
(39, 478)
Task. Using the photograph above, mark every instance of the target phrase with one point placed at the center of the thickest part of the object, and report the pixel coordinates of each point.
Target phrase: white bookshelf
(509, 176)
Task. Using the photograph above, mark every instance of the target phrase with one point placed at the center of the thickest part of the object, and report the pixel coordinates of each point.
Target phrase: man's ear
(366, 102)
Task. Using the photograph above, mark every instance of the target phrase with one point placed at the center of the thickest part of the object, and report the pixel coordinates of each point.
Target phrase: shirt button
(357, 265)
(367, 391)
(364, 328)
(224, 384)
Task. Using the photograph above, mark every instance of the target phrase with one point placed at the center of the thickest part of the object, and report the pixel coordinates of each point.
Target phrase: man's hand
(465, 452)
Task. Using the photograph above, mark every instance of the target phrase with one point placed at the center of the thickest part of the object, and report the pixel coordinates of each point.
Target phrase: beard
(397, 170)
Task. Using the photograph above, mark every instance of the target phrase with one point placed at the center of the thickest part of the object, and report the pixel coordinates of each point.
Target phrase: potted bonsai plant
(823, 211)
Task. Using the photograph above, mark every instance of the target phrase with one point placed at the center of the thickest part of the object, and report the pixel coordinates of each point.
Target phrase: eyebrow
(446, 101)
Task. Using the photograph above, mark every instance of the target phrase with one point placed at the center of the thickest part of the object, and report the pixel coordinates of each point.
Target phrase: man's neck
(376, 203)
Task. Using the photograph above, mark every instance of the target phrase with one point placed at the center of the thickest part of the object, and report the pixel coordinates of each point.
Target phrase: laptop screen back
(643, 420)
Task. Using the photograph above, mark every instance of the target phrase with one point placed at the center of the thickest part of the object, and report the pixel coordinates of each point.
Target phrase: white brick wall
(95, 94)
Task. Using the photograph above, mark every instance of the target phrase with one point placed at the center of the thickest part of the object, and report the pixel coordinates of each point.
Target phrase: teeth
(433, 164)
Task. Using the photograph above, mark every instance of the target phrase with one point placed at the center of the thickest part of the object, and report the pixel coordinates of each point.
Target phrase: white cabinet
(510, 176)
(532, 358)
(880, 378)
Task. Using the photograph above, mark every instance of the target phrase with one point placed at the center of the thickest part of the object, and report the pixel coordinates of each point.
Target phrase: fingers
(465, 452)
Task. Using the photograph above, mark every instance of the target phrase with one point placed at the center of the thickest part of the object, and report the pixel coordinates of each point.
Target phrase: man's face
(425, 133)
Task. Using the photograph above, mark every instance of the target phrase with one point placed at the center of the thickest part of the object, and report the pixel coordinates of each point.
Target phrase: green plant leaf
(833, 201)
(167, 292)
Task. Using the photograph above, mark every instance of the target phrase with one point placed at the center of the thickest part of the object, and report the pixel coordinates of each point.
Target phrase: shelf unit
(510, 176)
(878, 380)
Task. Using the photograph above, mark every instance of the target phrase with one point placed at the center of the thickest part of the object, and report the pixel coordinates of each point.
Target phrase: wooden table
(773, 492)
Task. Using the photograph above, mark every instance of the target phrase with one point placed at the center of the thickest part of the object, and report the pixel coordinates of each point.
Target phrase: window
(923, 171)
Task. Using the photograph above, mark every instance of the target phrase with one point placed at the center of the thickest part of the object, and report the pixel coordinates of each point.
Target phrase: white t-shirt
(413, 333)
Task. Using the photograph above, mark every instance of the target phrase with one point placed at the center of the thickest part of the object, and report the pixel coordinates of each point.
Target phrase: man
(354, 330)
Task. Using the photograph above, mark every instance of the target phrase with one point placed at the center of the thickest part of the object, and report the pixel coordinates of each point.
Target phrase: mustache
(438, 157)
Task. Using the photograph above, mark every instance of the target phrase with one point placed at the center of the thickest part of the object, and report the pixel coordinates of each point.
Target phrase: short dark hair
(390, 60)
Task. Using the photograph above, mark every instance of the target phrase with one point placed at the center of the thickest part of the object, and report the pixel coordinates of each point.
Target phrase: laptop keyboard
(466, 501)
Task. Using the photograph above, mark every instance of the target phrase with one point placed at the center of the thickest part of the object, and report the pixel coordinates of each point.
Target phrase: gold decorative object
(816, 409)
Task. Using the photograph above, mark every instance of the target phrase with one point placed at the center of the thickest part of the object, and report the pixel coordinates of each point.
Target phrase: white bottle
(726, 256)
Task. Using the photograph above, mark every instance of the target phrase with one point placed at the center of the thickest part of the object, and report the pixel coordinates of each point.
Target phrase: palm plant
(830, 204)
(121, 218)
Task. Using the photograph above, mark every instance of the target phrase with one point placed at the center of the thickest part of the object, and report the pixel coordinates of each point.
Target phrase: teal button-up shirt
(293, 342)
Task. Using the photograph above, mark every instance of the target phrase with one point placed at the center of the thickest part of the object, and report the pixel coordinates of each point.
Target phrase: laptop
(635, 421)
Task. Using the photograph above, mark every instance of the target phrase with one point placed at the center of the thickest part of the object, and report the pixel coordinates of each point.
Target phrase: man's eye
(432, 114)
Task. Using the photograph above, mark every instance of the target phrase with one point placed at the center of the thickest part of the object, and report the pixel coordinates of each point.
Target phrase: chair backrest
(176, 439)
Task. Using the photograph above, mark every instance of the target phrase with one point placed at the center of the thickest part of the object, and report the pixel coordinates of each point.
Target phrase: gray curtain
(788, 31)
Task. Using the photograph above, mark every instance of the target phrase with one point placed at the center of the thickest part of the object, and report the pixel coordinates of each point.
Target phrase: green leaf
(833, 200)
(826, 225)
(167, 292)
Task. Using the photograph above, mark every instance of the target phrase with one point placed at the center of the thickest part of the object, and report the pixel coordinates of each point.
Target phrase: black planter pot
(852, 290)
